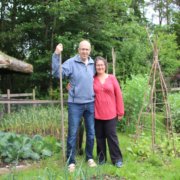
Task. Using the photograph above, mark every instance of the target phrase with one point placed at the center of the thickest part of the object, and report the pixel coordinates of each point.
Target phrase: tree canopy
(30, 31)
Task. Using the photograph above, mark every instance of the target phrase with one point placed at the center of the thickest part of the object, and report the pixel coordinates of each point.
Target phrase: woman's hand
(68, 86)
(119, 117)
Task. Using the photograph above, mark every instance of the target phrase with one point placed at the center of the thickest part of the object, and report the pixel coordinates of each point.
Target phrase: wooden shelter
(10, 65)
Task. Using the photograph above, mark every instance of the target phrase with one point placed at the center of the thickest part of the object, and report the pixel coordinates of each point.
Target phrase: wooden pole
(139, 118)
(107, 63)
(168, 108)
(9, 105)
(152, 101)
(62, 119)
(34, 94)
(114, 60)
(33, 97)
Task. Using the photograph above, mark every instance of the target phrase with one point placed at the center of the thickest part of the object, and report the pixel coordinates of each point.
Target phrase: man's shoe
(119, 164)
(91, 163)
(71, 167)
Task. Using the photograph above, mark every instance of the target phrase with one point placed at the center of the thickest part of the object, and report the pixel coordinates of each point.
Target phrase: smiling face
(100, 67)
(84, 50)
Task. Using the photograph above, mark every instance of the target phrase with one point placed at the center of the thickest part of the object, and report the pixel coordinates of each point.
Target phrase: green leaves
(40, 146)
(14, 146)
(133, 95)
(174, 103)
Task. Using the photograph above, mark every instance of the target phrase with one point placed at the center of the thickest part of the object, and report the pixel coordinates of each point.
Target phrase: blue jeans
(75, 112)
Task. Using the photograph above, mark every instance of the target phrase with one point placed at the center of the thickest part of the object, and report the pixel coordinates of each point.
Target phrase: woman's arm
(119, 99)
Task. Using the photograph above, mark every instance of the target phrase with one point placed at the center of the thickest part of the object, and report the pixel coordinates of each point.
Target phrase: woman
(108, 109)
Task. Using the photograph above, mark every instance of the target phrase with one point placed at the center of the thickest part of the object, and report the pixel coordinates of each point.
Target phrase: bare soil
(104, 177)
(6, 167)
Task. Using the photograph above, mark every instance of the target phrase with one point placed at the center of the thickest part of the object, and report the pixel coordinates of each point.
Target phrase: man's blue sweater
(80, 75)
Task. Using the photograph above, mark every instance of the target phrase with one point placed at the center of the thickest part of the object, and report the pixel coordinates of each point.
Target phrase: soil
(5, 164)
(104, 177)
(6, 167)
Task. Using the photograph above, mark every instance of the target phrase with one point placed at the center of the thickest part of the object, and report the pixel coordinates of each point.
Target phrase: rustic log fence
(9, 95)
(6, 99)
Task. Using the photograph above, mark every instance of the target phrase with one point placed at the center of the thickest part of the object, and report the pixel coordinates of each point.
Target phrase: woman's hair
(102, 59)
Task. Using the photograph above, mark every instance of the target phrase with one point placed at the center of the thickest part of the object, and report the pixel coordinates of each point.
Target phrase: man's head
(84, 50)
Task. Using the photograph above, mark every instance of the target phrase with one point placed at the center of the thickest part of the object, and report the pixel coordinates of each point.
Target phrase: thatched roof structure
(10, 65)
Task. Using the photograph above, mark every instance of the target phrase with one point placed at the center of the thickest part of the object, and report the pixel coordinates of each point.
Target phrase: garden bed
(20, 166)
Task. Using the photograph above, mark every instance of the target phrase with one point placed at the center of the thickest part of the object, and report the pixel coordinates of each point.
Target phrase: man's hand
(59, 49)
(68, 86)
(119, 117)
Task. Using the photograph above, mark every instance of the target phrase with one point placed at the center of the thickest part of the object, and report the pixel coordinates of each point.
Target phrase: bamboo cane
(62, 119)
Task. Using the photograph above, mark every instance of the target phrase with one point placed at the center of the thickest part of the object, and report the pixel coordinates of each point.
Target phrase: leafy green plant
(40, 146)
(14, 146)
(163, 145)
(142, 147)
(56, 146)
(174, 103)
(133, 92)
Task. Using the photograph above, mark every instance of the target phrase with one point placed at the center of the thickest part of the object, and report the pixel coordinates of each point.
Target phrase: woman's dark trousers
(106, 129)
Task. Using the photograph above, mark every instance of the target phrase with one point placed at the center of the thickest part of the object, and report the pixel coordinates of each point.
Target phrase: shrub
(174, 103)
(133, 95)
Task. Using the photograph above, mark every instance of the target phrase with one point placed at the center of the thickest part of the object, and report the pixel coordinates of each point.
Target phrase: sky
(153, 17)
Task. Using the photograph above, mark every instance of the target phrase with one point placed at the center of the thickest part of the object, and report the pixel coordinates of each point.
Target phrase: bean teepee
(155, 77)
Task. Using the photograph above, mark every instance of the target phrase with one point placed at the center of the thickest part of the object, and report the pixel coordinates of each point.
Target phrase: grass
(134, 167)
(154, 166)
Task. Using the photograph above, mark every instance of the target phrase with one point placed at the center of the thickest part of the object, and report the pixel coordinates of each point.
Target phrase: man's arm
(66, 69)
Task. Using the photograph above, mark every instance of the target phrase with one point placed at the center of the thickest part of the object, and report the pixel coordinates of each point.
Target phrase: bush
(133, 95)
(174, 103)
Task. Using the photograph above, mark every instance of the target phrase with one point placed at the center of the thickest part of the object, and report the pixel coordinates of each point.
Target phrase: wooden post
(34, 95)
(107, 64)
(62, 119)
(34, 98)
(9, 105)
(114, 60)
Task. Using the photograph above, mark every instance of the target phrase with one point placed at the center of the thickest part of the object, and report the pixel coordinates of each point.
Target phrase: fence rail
(9, 95)
(170, 89)
(9, 101)
(30, 102)
(17, 95)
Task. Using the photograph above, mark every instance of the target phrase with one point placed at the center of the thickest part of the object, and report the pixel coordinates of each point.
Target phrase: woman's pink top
(108, 99)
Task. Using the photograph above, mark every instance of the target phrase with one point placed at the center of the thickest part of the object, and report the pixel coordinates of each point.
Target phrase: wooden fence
(9, 95)
(9, 101)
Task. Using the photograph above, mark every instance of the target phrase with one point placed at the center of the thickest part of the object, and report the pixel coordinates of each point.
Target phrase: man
(80, 70)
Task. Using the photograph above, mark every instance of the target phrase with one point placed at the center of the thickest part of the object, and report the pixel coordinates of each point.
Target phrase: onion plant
(43, 119)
